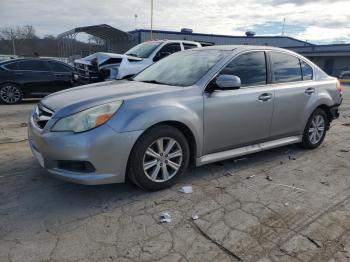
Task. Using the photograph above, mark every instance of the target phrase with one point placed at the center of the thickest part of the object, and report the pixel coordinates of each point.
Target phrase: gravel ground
(286, 204)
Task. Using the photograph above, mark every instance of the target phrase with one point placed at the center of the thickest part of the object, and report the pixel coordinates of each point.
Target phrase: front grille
(41, 116)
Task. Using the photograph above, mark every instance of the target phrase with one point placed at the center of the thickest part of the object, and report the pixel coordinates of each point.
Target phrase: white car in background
(345, 77)
(108, 66)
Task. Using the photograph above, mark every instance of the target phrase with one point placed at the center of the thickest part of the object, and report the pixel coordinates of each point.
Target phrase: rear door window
(249, 67)
(286, 68)
(34, 65)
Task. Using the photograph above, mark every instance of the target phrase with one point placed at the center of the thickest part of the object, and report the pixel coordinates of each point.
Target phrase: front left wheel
(159, 157)
(10, 94)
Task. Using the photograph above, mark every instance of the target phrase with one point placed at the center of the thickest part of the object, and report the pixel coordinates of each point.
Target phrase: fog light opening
(76, 166)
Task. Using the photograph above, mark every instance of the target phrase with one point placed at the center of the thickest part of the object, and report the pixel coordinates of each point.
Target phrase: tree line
(23, 41)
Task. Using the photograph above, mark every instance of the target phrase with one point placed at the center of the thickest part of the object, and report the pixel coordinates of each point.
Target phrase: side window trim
(234, 57)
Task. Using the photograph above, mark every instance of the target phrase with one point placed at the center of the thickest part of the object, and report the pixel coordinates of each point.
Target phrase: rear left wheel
(10, 94)
(315, 130)
(158, 158)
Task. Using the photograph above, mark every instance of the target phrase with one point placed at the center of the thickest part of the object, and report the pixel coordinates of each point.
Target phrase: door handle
(265, 97)
(309, 90)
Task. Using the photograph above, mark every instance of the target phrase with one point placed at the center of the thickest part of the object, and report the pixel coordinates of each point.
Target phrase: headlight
(87, 119)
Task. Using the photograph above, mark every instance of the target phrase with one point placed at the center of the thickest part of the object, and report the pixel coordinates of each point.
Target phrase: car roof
(172, 41)
(30, 58)
(242, 48)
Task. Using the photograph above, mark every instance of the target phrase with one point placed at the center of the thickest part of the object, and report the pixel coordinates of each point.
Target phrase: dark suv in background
(33, 78)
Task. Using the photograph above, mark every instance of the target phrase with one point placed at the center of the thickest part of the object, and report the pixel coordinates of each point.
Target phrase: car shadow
(45, 201)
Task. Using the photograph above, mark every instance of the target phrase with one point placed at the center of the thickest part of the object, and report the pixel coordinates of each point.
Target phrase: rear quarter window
(306, 71)
(11, 66)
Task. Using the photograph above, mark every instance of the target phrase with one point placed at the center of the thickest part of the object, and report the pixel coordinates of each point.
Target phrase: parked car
(345, 77)
(33, 78)
(198, 106)
(109, 66)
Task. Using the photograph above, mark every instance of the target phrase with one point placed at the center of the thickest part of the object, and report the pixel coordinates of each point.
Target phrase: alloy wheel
(316, 129)
(162, 159)
(10, 94)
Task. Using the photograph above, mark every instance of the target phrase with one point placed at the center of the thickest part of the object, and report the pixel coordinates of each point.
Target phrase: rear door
(37, 76)
(294, 90)
(235, 118)
(63, 75)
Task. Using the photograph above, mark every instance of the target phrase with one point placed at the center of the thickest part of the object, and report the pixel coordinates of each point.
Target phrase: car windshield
(90, 57)
(182, 68)
(143, 50)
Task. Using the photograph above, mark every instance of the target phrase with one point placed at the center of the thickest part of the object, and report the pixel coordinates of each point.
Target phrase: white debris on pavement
(165, 218)
(186, 189)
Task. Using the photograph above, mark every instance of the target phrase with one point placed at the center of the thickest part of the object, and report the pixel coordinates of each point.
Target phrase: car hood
(79, 98)
(102, 57)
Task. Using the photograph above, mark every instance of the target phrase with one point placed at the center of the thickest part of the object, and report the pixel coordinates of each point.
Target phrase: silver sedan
(193, 107)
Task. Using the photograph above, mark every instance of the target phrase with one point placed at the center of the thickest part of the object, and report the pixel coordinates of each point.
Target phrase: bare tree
(96, 40)
(19, 33)
(27, 32)
(8, 33)
(49, 37)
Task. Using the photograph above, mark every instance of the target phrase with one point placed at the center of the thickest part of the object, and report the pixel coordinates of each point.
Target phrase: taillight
(339, 86)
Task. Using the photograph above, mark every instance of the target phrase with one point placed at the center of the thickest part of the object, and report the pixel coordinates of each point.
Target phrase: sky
(317, 21)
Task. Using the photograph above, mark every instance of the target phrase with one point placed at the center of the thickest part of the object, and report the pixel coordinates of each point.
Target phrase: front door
(236, 118)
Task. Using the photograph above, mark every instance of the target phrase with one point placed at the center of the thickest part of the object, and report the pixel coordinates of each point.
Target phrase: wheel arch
(327, 110)
(25, 95)
(184, 129)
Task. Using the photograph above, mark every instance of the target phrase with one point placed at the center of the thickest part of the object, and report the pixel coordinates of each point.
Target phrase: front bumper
(107, 151)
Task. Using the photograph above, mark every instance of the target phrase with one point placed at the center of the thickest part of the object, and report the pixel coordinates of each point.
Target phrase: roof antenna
(283, 26)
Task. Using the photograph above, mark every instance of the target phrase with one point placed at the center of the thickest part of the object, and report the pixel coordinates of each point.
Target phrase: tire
(152, 168)
(313, 139)
(10, 94)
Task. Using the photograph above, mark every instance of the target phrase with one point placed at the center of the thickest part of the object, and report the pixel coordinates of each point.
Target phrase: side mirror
(228, 82)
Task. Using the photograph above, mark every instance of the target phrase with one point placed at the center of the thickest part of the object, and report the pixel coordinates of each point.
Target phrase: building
(332, 58)
(142, 35)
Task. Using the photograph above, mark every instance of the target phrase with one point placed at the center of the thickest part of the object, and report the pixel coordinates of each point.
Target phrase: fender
(323, 98)
(135, 118)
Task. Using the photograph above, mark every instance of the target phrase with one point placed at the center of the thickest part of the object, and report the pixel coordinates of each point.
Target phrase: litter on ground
(186, 189)
(165, 218)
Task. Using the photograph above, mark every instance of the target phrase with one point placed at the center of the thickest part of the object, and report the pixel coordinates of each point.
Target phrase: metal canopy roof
(102, 31)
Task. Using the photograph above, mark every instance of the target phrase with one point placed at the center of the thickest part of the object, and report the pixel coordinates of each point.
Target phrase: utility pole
(13, 42)
(283, 27)
(151, 19)
(135, 15)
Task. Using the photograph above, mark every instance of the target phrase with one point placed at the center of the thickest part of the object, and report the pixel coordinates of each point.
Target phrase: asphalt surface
(286, 204)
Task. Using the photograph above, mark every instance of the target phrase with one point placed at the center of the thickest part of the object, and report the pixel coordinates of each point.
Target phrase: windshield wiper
(131, 54)
(153, 82)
